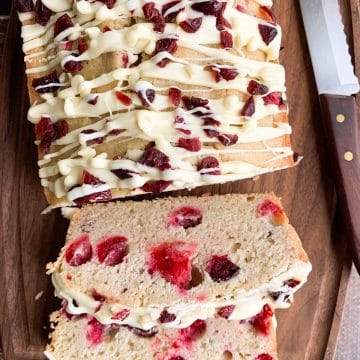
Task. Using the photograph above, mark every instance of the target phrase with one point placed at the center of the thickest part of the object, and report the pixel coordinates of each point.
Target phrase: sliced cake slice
(172, 261)
(76, 338)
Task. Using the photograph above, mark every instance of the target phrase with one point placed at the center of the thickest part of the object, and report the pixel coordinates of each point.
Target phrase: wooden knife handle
(341, 128)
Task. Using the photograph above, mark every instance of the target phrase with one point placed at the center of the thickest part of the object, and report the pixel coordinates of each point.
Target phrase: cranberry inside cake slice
(84, 337)
(168, 262)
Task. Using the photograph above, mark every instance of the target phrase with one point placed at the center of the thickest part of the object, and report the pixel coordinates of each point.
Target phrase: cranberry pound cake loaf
(172, 261)
(83, 337)
(136, 96)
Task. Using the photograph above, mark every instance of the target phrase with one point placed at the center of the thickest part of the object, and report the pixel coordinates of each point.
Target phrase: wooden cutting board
(308, 330)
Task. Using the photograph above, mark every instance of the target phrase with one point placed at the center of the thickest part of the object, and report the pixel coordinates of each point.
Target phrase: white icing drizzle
(113, 120)
(247, 303)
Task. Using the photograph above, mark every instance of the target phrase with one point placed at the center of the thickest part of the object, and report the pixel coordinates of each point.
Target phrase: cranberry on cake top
(130, 97)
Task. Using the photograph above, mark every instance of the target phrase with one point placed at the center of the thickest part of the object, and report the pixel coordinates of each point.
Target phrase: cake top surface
(138, 96)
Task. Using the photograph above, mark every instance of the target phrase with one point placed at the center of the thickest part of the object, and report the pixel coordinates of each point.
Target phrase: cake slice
(171, 261)
(85, 338)
(132, 97)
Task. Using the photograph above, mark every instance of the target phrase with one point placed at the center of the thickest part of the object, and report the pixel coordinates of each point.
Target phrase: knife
(336, 83)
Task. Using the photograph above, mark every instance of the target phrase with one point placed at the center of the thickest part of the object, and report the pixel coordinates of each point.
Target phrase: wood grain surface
(308, 330)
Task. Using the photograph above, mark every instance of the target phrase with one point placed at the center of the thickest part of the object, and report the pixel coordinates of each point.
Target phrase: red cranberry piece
(194, 331)
(185, 216)
(274, 98)
(42, 13)
(72, 66)
(228, 139)
(24, 5)
(153, 15)
(106, 28)
(214, 8)
(291, 283)
(155, 158)
(208, 7)
(97, 296)
(267, 14)
(62, 23)
(255, 88)
(166, 44)
(220, 268)
(112, 250)
(90, 179)
(150, 11)
(268, 33)
(172, 261)
(264, 357)
(46, 132)
(181, 120)
(175, 96)
(210, 121)
(163, 62)
(95, 197)
(159, 24)
(209, 162)
(123, 98)
(211, 133)
(225, 73)
(215, 71)
(155, 187)
(138, 61)
(228, 74)
(94, 100)
(275, 294)
(268, 207)
(192, 102)
(191, 25)
(79, 251)
(296, 157)
(226, 311)
(125, 59)
(68, 46)
(171, 15)
(166, 317)
(123, 173)
(109, 3)
(143, 333)
(115, 132)
(98, 140)
(249, 107)
(176, 357)
(95, 332)
(262, 321)
(221, 22)
(98, 196)
(121, 315)
(62, 128)
(82, 45)
(241, 8)
(226, 39)
(191, 144)
(47, 83)
(146, 98)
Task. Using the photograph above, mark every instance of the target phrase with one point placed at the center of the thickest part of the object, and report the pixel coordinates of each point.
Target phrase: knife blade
(336, 83)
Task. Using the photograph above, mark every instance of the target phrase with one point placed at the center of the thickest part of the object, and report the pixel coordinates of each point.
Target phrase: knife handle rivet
(348, 156)
(340, 118)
